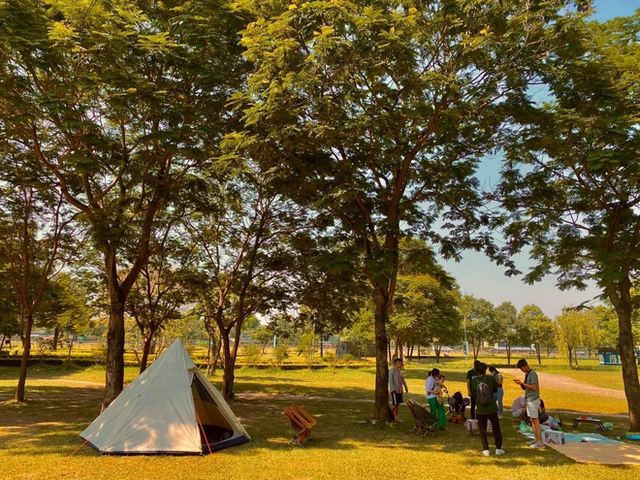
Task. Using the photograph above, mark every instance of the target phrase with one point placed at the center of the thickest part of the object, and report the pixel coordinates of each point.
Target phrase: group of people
(486, 393)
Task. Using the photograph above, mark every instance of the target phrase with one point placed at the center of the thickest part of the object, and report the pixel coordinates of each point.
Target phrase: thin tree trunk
(72, 341)
(56, 338)
(24, 361)
(146, 349)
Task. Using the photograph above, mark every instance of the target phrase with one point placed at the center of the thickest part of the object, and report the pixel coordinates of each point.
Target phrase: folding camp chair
(425, 421)
(301, 422)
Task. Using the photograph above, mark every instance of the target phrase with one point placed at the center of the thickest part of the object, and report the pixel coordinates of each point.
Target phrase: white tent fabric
(156, 413)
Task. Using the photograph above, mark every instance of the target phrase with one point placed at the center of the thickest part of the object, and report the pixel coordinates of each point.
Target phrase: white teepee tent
(170, 408)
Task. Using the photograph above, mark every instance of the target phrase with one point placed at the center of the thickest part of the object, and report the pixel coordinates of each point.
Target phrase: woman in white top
(437, 409)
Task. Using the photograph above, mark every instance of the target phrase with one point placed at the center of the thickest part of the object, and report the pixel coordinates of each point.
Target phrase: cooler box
(472, 426)
(552, 436)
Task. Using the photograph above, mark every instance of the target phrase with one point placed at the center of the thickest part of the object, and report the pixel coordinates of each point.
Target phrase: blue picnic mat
(582, 437)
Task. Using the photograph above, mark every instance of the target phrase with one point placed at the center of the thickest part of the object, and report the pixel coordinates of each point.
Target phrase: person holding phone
(531, 389)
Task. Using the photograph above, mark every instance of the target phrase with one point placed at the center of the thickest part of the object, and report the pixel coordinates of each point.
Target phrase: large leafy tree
(576, 329)
(479, 320)
(429, 310)
(246, 248)
(428, 296)
(119, 101)
(571, 176)
(381, 112)
(513, 330)
(36, 247)
(542, 331)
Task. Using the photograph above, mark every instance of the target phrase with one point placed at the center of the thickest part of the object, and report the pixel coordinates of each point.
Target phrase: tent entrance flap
(216, 427)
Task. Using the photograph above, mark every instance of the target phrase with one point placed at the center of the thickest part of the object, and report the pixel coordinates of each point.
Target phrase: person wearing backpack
(484, 386)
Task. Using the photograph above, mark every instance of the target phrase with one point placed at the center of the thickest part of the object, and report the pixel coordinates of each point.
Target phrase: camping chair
(301, 422)
(424, 419)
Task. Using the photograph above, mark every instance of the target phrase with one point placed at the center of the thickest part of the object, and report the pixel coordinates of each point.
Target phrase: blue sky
(477, 276)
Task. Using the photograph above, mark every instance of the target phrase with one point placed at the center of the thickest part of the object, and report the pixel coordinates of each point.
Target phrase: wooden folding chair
(301, 422)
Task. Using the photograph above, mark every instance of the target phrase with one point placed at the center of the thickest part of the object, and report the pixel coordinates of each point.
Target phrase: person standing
(470, 374)
(500, 393)
(531, 389)
(484, 386)
(437, 408)
(396, 382)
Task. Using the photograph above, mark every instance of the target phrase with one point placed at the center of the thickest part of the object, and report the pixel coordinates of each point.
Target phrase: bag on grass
(524, 428)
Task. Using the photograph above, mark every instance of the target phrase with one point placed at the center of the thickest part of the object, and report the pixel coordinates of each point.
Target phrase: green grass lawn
(37, 438)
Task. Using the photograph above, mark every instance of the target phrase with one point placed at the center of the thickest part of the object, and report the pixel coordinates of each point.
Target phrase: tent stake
(74, 452)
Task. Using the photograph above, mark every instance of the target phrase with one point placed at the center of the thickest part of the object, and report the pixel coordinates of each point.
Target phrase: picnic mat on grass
(604, 453)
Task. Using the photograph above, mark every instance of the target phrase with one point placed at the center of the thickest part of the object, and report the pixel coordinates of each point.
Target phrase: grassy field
(37, 438)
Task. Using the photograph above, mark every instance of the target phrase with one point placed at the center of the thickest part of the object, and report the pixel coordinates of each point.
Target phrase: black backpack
(483, 393)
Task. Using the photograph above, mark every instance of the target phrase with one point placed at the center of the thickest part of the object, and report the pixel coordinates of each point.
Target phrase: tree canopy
(570, 178)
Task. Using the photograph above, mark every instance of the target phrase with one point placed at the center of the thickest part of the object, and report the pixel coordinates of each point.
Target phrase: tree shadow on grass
(51, 421)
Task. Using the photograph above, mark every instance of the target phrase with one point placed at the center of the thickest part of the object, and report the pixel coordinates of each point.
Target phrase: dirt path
(547, 380)
(566, 384)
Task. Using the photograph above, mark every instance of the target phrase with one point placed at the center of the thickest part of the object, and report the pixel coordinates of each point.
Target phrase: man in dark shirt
(470, 374)
(488, 411)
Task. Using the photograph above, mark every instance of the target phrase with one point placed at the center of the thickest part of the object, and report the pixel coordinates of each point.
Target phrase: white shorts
(532, 408)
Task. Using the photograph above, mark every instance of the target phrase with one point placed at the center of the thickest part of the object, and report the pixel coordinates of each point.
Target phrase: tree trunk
(538, 353)
(24, 361)
(382, 412)
(437, 349)
(228, 375)
(72, 341)
(146, 349)
(570, 350)
(321, 347)
(213, 354)
(115, 348)
(56, 338)
(4, 336)
(626, 349)
(508, 345)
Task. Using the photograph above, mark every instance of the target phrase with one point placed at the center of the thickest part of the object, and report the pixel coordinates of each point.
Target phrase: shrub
(280, 353)
(347, 358)
(253, 354)
(331, 358)
(100, 354)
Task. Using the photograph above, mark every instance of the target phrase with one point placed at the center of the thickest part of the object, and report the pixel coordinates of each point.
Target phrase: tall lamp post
(465, 346)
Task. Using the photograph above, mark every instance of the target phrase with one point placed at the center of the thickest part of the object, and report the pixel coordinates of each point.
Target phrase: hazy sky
(477, 276)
